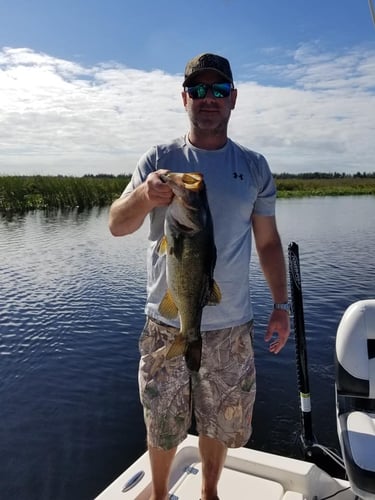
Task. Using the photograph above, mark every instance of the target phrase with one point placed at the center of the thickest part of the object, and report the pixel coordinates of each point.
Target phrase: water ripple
(71, 302)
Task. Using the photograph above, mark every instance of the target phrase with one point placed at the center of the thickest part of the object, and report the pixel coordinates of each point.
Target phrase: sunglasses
(219, 90)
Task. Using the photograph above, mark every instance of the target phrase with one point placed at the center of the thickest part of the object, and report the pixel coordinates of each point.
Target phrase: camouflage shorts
(221, 394)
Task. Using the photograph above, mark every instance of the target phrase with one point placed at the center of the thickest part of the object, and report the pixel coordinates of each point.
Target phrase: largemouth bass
(191, 257)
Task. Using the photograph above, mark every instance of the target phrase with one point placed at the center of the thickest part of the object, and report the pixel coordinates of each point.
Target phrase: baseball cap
(205, 62)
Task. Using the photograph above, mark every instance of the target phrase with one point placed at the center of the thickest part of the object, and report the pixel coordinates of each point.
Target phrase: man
(241, 195)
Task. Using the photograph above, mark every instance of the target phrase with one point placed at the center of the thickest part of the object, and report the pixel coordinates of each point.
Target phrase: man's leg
(161, 461)
(213, 453)
(224, 394)
(164, 387)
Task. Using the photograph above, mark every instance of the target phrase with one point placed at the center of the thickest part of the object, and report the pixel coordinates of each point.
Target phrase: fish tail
(193, 355)
(177, 348)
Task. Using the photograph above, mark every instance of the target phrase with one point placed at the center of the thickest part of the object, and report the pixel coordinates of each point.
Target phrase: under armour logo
(238, 176)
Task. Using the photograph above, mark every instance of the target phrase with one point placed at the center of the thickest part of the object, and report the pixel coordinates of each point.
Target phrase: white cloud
(313, 112)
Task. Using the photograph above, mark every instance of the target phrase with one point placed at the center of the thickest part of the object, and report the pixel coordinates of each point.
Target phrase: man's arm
(272, 261)
(127, 214)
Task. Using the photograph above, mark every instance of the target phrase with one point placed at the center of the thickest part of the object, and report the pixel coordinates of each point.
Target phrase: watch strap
(282, 306)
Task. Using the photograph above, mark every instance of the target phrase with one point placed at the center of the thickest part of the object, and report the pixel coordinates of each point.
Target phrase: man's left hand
(279, 325)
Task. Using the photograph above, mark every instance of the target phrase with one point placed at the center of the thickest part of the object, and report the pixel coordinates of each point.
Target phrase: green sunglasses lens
(201, 91)
(219, 90)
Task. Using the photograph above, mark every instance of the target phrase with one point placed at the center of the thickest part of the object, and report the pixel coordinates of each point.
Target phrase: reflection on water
(71, 305)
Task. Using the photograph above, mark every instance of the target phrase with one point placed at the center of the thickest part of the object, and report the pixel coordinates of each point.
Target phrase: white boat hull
(247, 474)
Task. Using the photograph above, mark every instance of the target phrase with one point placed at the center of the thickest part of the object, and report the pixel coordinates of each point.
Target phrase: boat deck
(247, 474)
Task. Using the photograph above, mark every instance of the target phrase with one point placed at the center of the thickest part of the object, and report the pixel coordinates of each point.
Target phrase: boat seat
(355, 395)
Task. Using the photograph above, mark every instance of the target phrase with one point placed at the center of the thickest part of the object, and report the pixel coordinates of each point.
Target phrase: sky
(87, 86)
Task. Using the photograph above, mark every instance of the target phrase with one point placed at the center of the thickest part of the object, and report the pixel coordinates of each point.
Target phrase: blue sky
(88, 86)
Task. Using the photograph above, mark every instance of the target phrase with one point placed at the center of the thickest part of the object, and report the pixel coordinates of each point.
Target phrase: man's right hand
(158, 193)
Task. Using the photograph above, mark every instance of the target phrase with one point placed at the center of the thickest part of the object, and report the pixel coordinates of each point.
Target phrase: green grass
(332, 186)
(23, 193)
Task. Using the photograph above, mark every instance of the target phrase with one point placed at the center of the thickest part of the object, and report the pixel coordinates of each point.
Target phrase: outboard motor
(355, 395)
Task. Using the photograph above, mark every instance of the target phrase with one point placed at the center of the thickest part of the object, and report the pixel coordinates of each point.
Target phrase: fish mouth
(192, 181)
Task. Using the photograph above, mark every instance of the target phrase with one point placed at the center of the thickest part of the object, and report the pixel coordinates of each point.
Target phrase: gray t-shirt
(239, 183)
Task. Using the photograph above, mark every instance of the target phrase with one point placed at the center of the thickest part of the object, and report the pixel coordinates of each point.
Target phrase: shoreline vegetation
(37, 192)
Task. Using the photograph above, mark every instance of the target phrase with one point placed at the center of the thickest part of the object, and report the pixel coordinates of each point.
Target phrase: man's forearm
(127, 214)
(274, 269)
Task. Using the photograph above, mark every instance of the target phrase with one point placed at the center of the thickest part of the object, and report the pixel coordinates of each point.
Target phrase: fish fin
(214, 296)
(178, 348)
(167, 306)
(162, 246)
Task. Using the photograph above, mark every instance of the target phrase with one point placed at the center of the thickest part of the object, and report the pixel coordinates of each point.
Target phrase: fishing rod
(322, 456)
(307, 437)
(372, 10)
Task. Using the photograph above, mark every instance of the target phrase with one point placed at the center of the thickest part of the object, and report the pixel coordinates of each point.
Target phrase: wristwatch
(283, 306)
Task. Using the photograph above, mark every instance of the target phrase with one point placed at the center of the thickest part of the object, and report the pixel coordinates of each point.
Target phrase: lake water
(71, 310)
